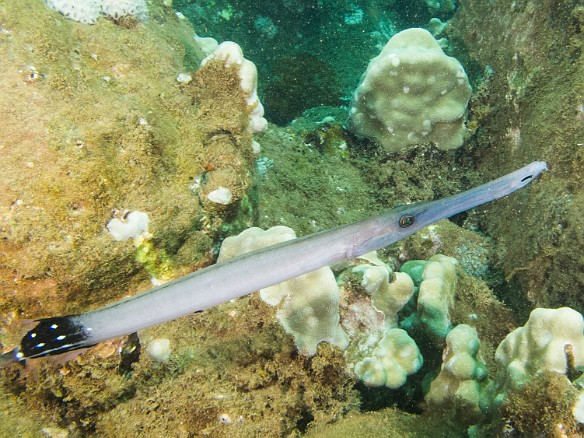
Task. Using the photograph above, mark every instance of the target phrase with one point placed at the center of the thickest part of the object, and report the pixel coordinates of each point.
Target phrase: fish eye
(406, 220)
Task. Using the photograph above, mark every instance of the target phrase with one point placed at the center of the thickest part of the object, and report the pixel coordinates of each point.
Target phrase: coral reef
(87, 11)
(309, 188)
(338, 38)
(227, 374)
(436, 294)
(118, 9)
(125, 163)
(472, 250)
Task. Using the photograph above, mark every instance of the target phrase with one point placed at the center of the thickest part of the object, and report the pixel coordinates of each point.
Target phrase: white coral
(412, 93)
(84, 11)
(396, 357)
(117, 9)
(308, 304)
(88, 11)
(548, 341)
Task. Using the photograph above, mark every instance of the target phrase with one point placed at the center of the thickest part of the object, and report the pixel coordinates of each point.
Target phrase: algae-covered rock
(96, 126)
(232, 372)
(388, 423)
(531, 109)
(543, 407)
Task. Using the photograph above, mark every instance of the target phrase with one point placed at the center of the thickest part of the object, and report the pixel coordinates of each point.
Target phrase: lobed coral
(394, 359)
(462, 375)
(551, 340)
(308, 304)
(436, 279)
(390, 291)
(412, 93)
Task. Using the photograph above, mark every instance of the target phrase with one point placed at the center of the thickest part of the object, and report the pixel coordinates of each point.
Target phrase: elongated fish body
(252, 271)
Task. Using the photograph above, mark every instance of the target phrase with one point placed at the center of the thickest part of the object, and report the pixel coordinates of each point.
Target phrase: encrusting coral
(88, 11)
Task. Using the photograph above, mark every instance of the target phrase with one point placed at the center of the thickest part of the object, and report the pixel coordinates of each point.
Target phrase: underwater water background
(120, 114)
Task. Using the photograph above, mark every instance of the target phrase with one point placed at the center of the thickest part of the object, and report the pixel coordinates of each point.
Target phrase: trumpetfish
(252, 271)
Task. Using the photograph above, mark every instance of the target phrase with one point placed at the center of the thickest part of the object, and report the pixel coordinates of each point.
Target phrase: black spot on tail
(53, 336)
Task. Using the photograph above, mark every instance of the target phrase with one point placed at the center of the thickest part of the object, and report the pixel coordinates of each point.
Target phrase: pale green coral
(462, 374)
(379, 353)
(415, 269)
(437, 294)
(396, 357)
(436, 280)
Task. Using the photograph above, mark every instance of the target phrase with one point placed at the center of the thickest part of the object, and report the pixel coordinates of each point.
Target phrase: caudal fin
(53, 336)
